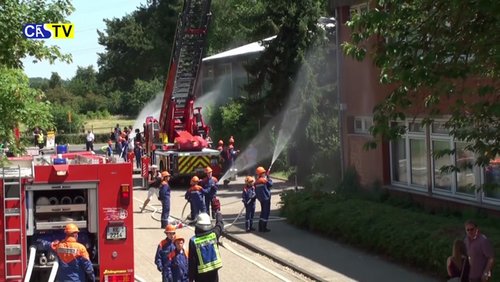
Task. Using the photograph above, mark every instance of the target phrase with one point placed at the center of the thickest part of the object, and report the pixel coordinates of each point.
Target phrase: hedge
(405, 234)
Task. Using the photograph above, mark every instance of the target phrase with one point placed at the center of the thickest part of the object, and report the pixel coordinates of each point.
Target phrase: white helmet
(203, 222)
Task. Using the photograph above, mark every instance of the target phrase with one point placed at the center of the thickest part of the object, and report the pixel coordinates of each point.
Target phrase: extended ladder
(13, 231)
(187, 55)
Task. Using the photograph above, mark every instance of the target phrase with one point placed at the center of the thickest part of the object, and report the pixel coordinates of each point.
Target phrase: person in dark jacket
(248, 199)
(164, 197)
(210, 187)
(178, 262)
(195, 195)
(165, 247)
(263, 192)
(204, 256)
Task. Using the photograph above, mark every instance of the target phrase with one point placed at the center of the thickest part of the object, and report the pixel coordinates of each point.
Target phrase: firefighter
(164, 197)
(154, 183)
(229, 158)
(220, 146)
(74, 262)
(231, 140)
(204, 255)
(263, 192)
(248, 198)
(109, 149)
(165, 247)
(195, 195)
(210, 187)
(177, 263)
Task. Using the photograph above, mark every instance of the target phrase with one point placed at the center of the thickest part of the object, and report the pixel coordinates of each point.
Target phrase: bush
(405, 233)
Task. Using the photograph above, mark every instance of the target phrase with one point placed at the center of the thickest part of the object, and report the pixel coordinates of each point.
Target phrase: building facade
(406, 165)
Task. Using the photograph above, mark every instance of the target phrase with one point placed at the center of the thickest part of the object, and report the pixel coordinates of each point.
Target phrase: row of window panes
(415, 173)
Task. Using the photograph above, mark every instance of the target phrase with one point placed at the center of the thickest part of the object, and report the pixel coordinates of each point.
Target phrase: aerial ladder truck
(177, 141)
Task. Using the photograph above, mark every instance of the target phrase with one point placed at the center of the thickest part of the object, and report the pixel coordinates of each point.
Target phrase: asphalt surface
(316, 257)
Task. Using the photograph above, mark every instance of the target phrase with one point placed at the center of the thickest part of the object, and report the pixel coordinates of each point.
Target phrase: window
(362, 125)
(492, 179)
(442, 179)
(399, 161)
(418, 162)
(358, 9)
(464, 160)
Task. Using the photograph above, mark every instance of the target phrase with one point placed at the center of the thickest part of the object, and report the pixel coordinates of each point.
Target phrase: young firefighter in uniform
(178, 262)
(248, 198)
(164, 197)
(165, 247)
(74, 262)
(154, 183)
(210, 187)
(204, 255)
(195, 195)
(263, 191)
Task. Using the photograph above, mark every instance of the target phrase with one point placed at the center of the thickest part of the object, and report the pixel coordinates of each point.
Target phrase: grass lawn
(107, 125)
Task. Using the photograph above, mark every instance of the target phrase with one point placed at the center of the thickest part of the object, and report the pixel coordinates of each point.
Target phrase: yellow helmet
(71, 228)
(260, 170)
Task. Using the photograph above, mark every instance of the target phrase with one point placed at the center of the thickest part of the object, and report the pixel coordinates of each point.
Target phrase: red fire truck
(177, 140)
(41, 194)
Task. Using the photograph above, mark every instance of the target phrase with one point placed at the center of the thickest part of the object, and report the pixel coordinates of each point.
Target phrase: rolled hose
(53, 272)
(31, 264)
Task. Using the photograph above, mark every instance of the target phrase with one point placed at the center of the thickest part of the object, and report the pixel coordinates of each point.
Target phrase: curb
(277, 259)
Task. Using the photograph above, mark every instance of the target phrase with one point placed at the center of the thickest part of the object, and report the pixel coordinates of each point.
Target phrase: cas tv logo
(49, 30)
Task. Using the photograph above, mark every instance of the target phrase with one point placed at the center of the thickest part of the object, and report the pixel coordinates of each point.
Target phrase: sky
(88, 18)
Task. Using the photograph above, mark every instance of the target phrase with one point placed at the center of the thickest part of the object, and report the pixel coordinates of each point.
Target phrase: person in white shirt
(90, 141)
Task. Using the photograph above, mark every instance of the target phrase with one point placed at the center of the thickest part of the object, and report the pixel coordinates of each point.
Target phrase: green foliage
(229, 27)
(403, 233)
(84, 81)
(440, 59)
(138, 46)
(142, 92)
(14, 14)
(61, 120)
(20, 104)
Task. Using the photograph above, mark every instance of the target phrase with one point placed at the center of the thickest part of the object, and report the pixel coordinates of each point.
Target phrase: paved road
(321, 258)
(240, 264)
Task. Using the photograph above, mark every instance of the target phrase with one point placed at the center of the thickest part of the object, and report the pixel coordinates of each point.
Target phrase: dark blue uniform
(165, 247)
(178, 266)
(263, 192)
(248, 199)
(164, 196)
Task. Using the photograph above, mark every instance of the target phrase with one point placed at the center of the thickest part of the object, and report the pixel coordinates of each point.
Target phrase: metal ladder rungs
(13, 276)
(13, 261)
(11, 183)
(13, 230)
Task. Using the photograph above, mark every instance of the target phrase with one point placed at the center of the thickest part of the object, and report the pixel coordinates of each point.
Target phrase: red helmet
(195, 179)
(231, 140)
(165, 173)
(208, 169)
(249, 180)
(220, 143)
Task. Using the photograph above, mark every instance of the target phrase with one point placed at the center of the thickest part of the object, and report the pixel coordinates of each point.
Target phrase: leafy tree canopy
(20, 104)
(138, 46)
(14, 14)
(441, 58)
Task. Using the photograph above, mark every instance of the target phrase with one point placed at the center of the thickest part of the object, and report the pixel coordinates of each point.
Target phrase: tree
(20, 104)
(84, 81)
(14, 14)
(441, 58)
(55, 80)
(138, 45)
(295, 26)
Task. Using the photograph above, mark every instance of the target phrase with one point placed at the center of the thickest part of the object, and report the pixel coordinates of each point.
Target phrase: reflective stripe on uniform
(208, 253)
